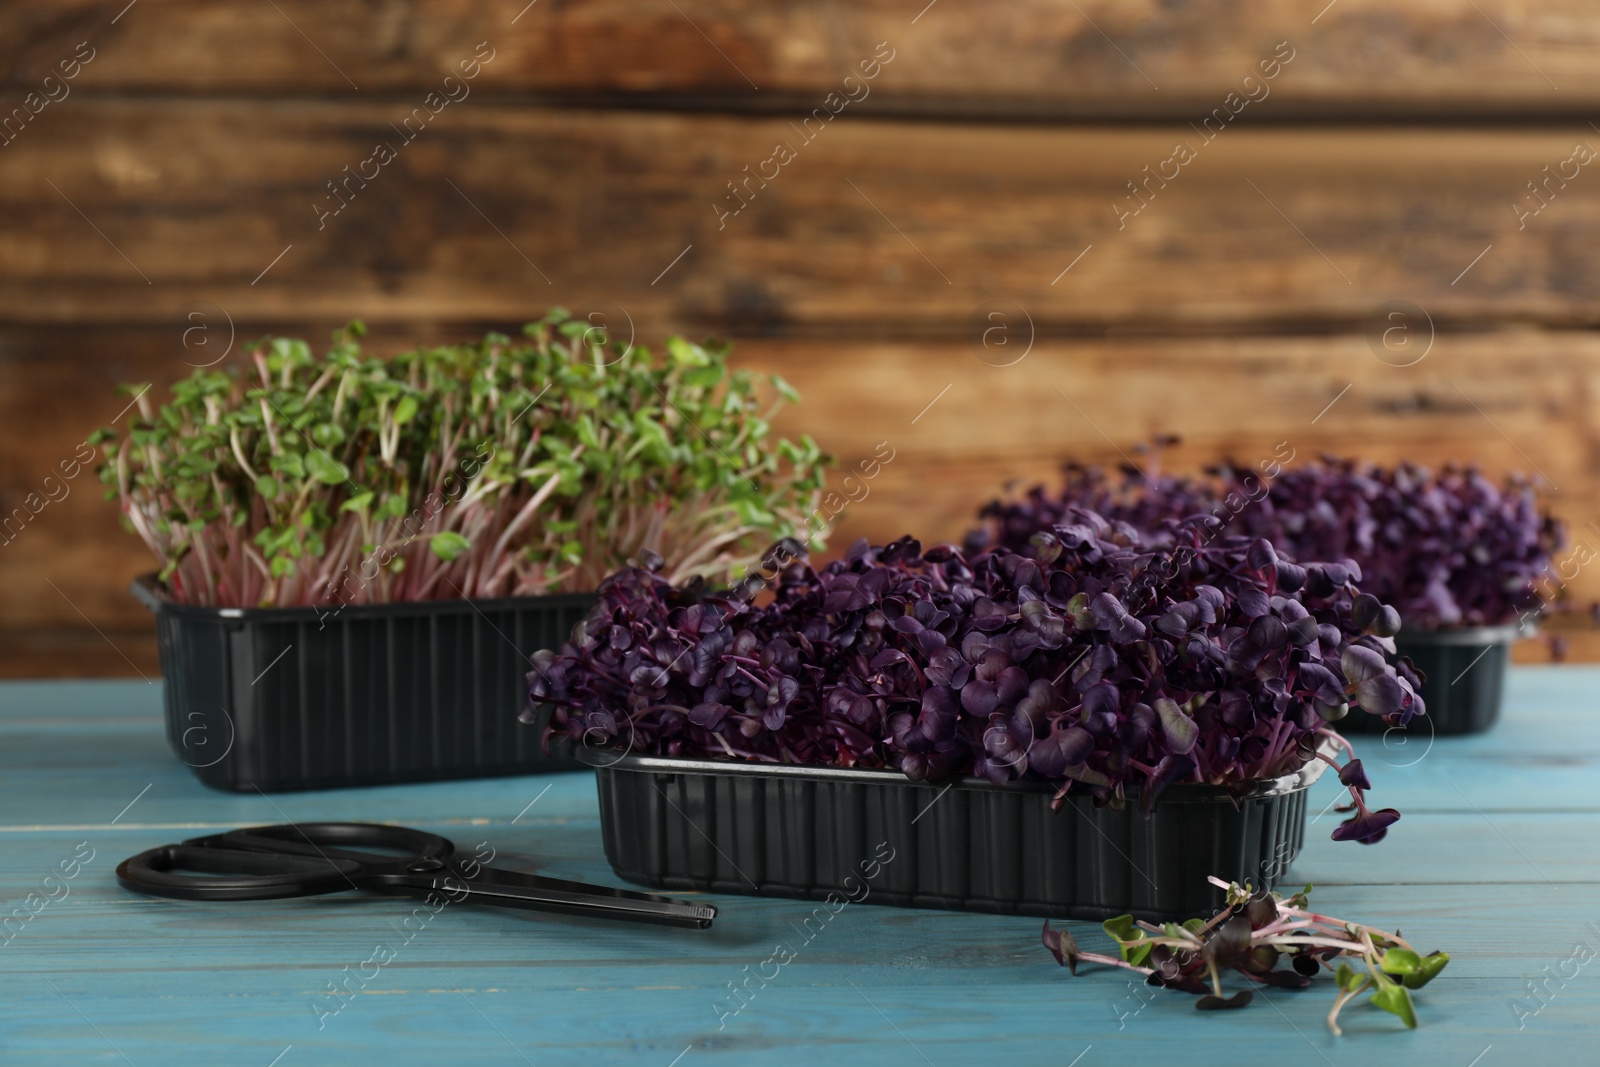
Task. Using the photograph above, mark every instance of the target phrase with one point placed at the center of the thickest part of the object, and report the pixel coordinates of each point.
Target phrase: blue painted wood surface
(1497, 860)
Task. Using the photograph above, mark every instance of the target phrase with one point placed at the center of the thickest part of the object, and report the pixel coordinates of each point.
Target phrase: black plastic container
(318, 698)
(807, 832)
(1466, 680)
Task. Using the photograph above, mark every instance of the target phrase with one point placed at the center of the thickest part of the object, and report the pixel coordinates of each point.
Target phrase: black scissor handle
(289, 860)
(197, 872)
(354, 842)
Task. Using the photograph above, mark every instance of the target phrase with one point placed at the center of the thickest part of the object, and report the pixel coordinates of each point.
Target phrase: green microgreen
(502, 467)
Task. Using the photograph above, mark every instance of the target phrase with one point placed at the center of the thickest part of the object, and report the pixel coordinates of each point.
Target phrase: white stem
(523, 518)
(238, 454)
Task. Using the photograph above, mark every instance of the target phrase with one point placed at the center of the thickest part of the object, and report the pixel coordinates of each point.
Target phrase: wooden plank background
(1438, 155)
(1093, 59)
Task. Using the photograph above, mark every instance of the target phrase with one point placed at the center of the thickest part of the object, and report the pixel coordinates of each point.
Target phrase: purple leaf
(1354, 775)
(1178, 728)
(1061, 946)
(1368, 828)
(1260, 554)
(709, 715)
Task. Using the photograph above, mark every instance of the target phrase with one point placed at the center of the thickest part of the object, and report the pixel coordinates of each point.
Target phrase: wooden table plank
(169, 982)
(1094, 58)
(202, 197)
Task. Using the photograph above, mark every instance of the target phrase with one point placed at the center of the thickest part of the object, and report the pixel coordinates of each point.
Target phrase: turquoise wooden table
(1497, 860)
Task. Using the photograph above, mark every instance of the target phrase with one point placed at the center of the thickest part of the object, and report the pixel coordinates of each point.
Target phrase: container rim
(1503, 634)
(148, 590)
(1261, 787)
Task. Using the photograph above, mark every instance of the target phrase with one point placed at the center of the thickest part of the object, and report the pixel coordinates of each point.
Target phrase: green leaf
(704, 377)
(291, 464)
(448, 544)
(328, 434)
(685, 354)
(266, 487)
(1194, 926)
(357, 503)
(585, 430)
(785, 390)
(406, 410)
(1300, 899)
(1400, 961)
(1078, 611)
(1348, 978)
(1396, 1000)
(325, 470)
(1427, 969)
(1121, 928)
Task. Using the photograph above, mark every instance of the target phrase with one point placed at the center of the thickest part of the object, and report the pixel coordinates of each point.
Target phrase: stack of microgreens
(1101, 666)
(1447, 548)
(500, 468)
(1250, 935)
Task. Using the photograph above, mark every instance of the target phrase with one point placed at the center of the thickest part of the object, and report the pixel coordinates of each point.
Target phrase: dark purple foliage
(1445, 549)
(1104, 665)
(1368, 827)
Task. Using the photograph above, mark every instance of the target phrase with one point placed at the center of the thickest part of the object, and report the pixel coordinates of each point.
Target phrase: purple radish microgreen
(1056, 670)
(1441, 549)
(1254, 932)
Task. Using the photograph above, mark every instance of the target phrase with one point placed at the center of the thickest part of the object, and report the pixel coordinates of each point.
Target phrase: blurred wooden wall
(946, 257)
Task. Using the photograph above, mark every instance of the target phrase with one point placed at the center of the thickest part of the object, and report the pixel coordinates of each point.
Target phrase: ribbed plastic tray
(807, 832)
(1466, 680)
(308, 698)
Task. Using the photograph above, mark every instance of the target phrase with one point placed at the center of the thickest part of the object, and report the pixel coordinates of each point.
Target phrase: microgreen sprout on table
(1251, 935)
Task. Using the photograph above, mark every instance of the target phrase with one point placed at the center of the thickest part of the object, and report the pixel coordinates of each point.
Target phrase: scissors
(307, 859)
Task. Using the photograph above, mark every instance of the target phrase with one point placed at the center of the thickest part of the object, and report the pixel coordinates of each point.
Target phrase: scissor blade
(513, 889)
